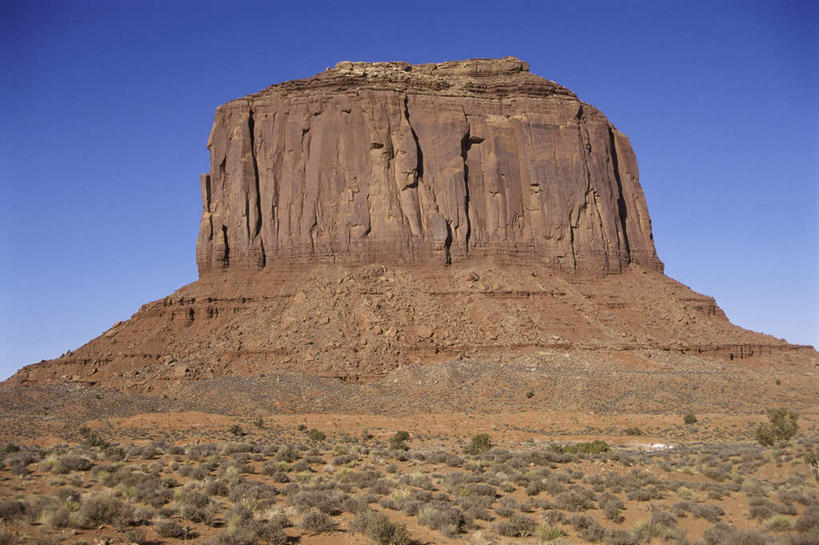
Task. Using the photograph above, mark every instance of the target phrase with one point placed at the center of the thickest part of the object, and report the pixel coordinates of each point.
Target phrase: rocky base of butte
(383, 215)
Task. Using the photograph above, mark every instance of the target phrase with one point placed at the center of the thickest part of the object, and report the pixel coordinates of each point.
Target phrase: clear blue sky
(106, 108)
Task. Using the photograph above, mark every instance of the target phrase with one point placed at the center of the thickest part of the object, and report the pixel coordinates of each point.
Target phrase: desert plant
(444, 518)
(379, 529)
(317, 522)
(633, 431)
(591, 447)
(620, 537)
(92, 438)
(103, 508)
(171, 528)
(236, 430)
(546, 533)
(613, 510)
(690, 418)
(781, 426)
(480, 443)
(516, 526)
(316, 435)
(399, 440)
(136, 535)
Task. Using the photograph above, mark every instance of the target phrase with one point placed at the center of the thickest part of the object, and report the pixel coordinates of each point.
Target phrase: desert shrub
(250, 532)
(148, 452)
(645, 493)
(379, 529)
(216, 487)
(588, 528)
(171, 529)
(613, 509)
(13, 509)
(52, 512)
(711, 513)
(418, 480)
(344, 459)
(724, 534)
(193, 497)
(480, 489)
(620, 537)
(591, 447)
(634, 430)
(809, 521)
(479, 444)
(647, 530)
(573, 500)
(399, 440)
(546, 533)
(70, 463)
(238, 448)
(316, 435)
(778, 523)
(198, 514)
(92, 438)
(317, 522)
(516, 526)
(275, 475)
(236, 430)
(260, 493)
(761, 508)
(135, 535)
(689, 418)
(442, 517)
(326, 501)
(781, 426)
(103, 508)
(355, 505)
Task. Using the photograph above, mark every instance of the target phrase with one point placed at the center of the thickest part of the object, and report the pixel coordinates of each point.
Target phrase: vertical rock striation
(432, 163)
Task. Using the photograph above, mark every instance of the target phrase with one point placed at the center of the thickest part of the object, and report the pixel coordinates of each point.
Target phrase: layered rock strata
(334, 203)
(437, 163)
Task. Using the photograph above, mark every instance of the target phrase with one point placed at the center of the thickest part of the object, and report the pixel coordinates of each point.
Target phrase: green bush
(399, 440)
(591, 447)
(316, 435)
(480, 443)
(634, 430)
(689, 419)
(781, 426)
(546, 533)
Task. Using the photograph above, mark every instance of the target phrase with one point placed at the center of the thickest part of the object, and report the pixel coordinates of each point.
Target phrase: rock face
(333, 204)
(398, 163)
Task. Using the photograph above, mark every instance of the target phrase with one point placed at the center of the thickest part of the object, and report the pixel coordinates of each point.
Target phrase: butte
(396, 237)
